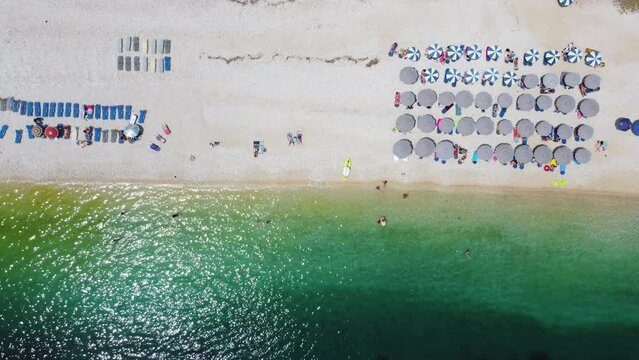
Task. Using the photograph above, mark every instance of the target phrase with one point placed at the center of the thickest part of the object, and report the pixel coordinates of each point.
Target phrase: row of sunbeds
(95, 135)
(137, 63)
(52, 109)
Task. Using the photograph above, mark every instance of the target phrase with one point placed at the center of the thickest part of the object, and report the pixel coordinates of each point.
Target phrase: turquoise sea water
(307, 274)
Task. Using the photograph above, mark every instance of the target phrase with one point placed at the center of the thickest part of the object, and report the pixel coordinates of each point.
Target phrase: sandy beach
(256, 70)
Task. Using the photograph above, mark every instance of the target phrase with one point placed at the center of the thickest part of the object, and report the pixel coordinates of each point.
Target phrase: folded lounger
(67, 109)
(105, 136)
(76, 110)
(112, 111)
(3, 130)
(142, 117)
(30, 131)
(97, 111)
(30, 109)
(120, 112)
(97, 132)
(18, 136)
(127, 112)
(60, 109)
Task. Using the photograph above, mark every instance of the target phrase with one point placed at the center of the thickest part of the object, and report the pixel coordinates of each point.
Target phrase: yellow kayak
(346, 170)
(560, 182)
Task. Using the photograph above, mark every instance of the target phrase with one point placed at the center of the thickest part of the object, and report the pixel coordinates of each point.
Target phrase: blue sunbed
(14, 105)
(105, 112)
(97, 111)
(127, 112)
(23, 107)
(37, 109)
(29, 108)
(120, 140)
(45, 109)
(90, 115)
(3, 130)
(142, 117)
(18, 136)
(30, 131)
(167, 63)
(112, 111)
(76, 110)
(67, 110)
(60, 109)
(120, 112)
(96, 134)
(52, 109)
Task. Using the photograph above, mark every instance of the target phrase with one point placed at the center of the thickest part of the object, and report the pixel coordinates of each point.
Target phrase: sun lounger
(136, 43)
(167, 63)
(114, 135)
(166, 129)
(120, 140)
(67, 109)
(18, 136)
(76, 110)
(23, 107)
(127, 112)
(154, 46)
(97, 133)
(159, 66)
(120, 112)
(154, 147)
(145, 64)
(166, 46)
(30, 131)
(105, 112)
(152, 65)
(45, 109)
(127, 63)
(76, 133)
(90, 114)
(13, 104)
(52, 107)
(142, 117)
(120, 45)
(112, 110)
(37, 108)
(129, 42)
(3, 104)
(97, 110)
(60, 128)
(120, 62)
(3, 130)
(60, 109)
(29, 108)
(105, 136)
(144, 45)
(136, 63)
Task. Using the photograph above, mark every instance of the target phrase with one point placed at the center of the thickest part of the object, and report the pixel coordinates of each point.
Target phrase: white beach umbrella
(491, 75)
(593, 58)
(531, 56)
(454, 52)
(493, 52)
(551, 57)
(473, 52)
(413, 54)
(434, 51)
(574, 56)
(431, 75)
(451, 75)
(471, 76)
(509, 78)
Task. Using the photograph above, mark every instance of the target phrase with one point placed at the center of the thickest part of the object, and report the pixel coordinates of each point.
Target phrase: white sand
(343, 108)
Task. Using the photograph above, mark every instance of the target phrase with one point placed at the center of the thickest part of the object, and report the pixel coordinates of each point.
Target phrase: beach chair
(166, 46)
(120, 112)
(37, 108)
(30, 131)
(23, 107)
(127, 63)
(105, 112)
(67, 109)
(112, 111)
(18, 136)
(52, 109)
(136, 63)
(76, 110)
(114, 135)
(119, 45)
(3, 104)
(60, 109)
(136, 43)
(97, 110)
(142, 117)
(127, 112)
(105, 136)
(45, 109)
(29, 108)
(120, 62)
(167, 63)
(3, 130)
(97, 133)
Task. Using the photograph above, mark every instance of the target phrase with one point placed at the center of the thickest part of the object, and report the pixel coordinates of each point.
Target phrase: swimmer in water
(468, 253)
(382, 220)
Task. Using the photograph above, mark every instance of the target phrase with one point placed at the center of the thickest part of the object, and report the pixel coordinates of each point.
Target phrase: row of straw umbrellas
(504, 152)
(409, 75)
(485, 126)
(483, 100)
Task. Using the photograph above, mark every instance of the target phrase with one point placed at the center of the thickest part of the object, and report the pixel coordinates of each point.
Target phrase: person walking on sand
(382, 220)
(468, 253)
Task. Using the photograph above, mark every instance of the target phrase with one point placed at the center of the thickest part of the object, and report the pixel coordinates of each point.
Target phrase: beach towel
(142, 117)
(112, 110)
(18, 136)
(45, 109)
(127, 112)
(105, 136)
(120, 63)
(3, 130)
(76, 110)
(97, 110)
(29, 111)
(37, 108)
(52, 109)
(105, 112)
(30, 131)
(114, 135)
(97, 132)
(167, 63)
(60, 109)
(23, 107)
(120, 112)
(67, 109)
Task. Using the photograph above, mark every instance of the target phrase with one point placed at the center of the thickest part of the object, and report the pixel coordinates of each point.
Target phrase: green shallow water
(551, 277)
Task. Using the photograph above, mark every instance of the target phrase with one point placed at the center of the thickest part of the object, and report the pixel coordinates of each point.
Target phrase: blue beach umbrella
(493, 52)
(434, 51)
(473, 52)
(431, 75)
(471, 76)
(551, 57)
(531, 56)
(451, 75)
(510, 78)
(574, 56)
(593, 58)
(565, 3)
(454, 52)
(491, 75)
(413, 54)
(623, 124)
